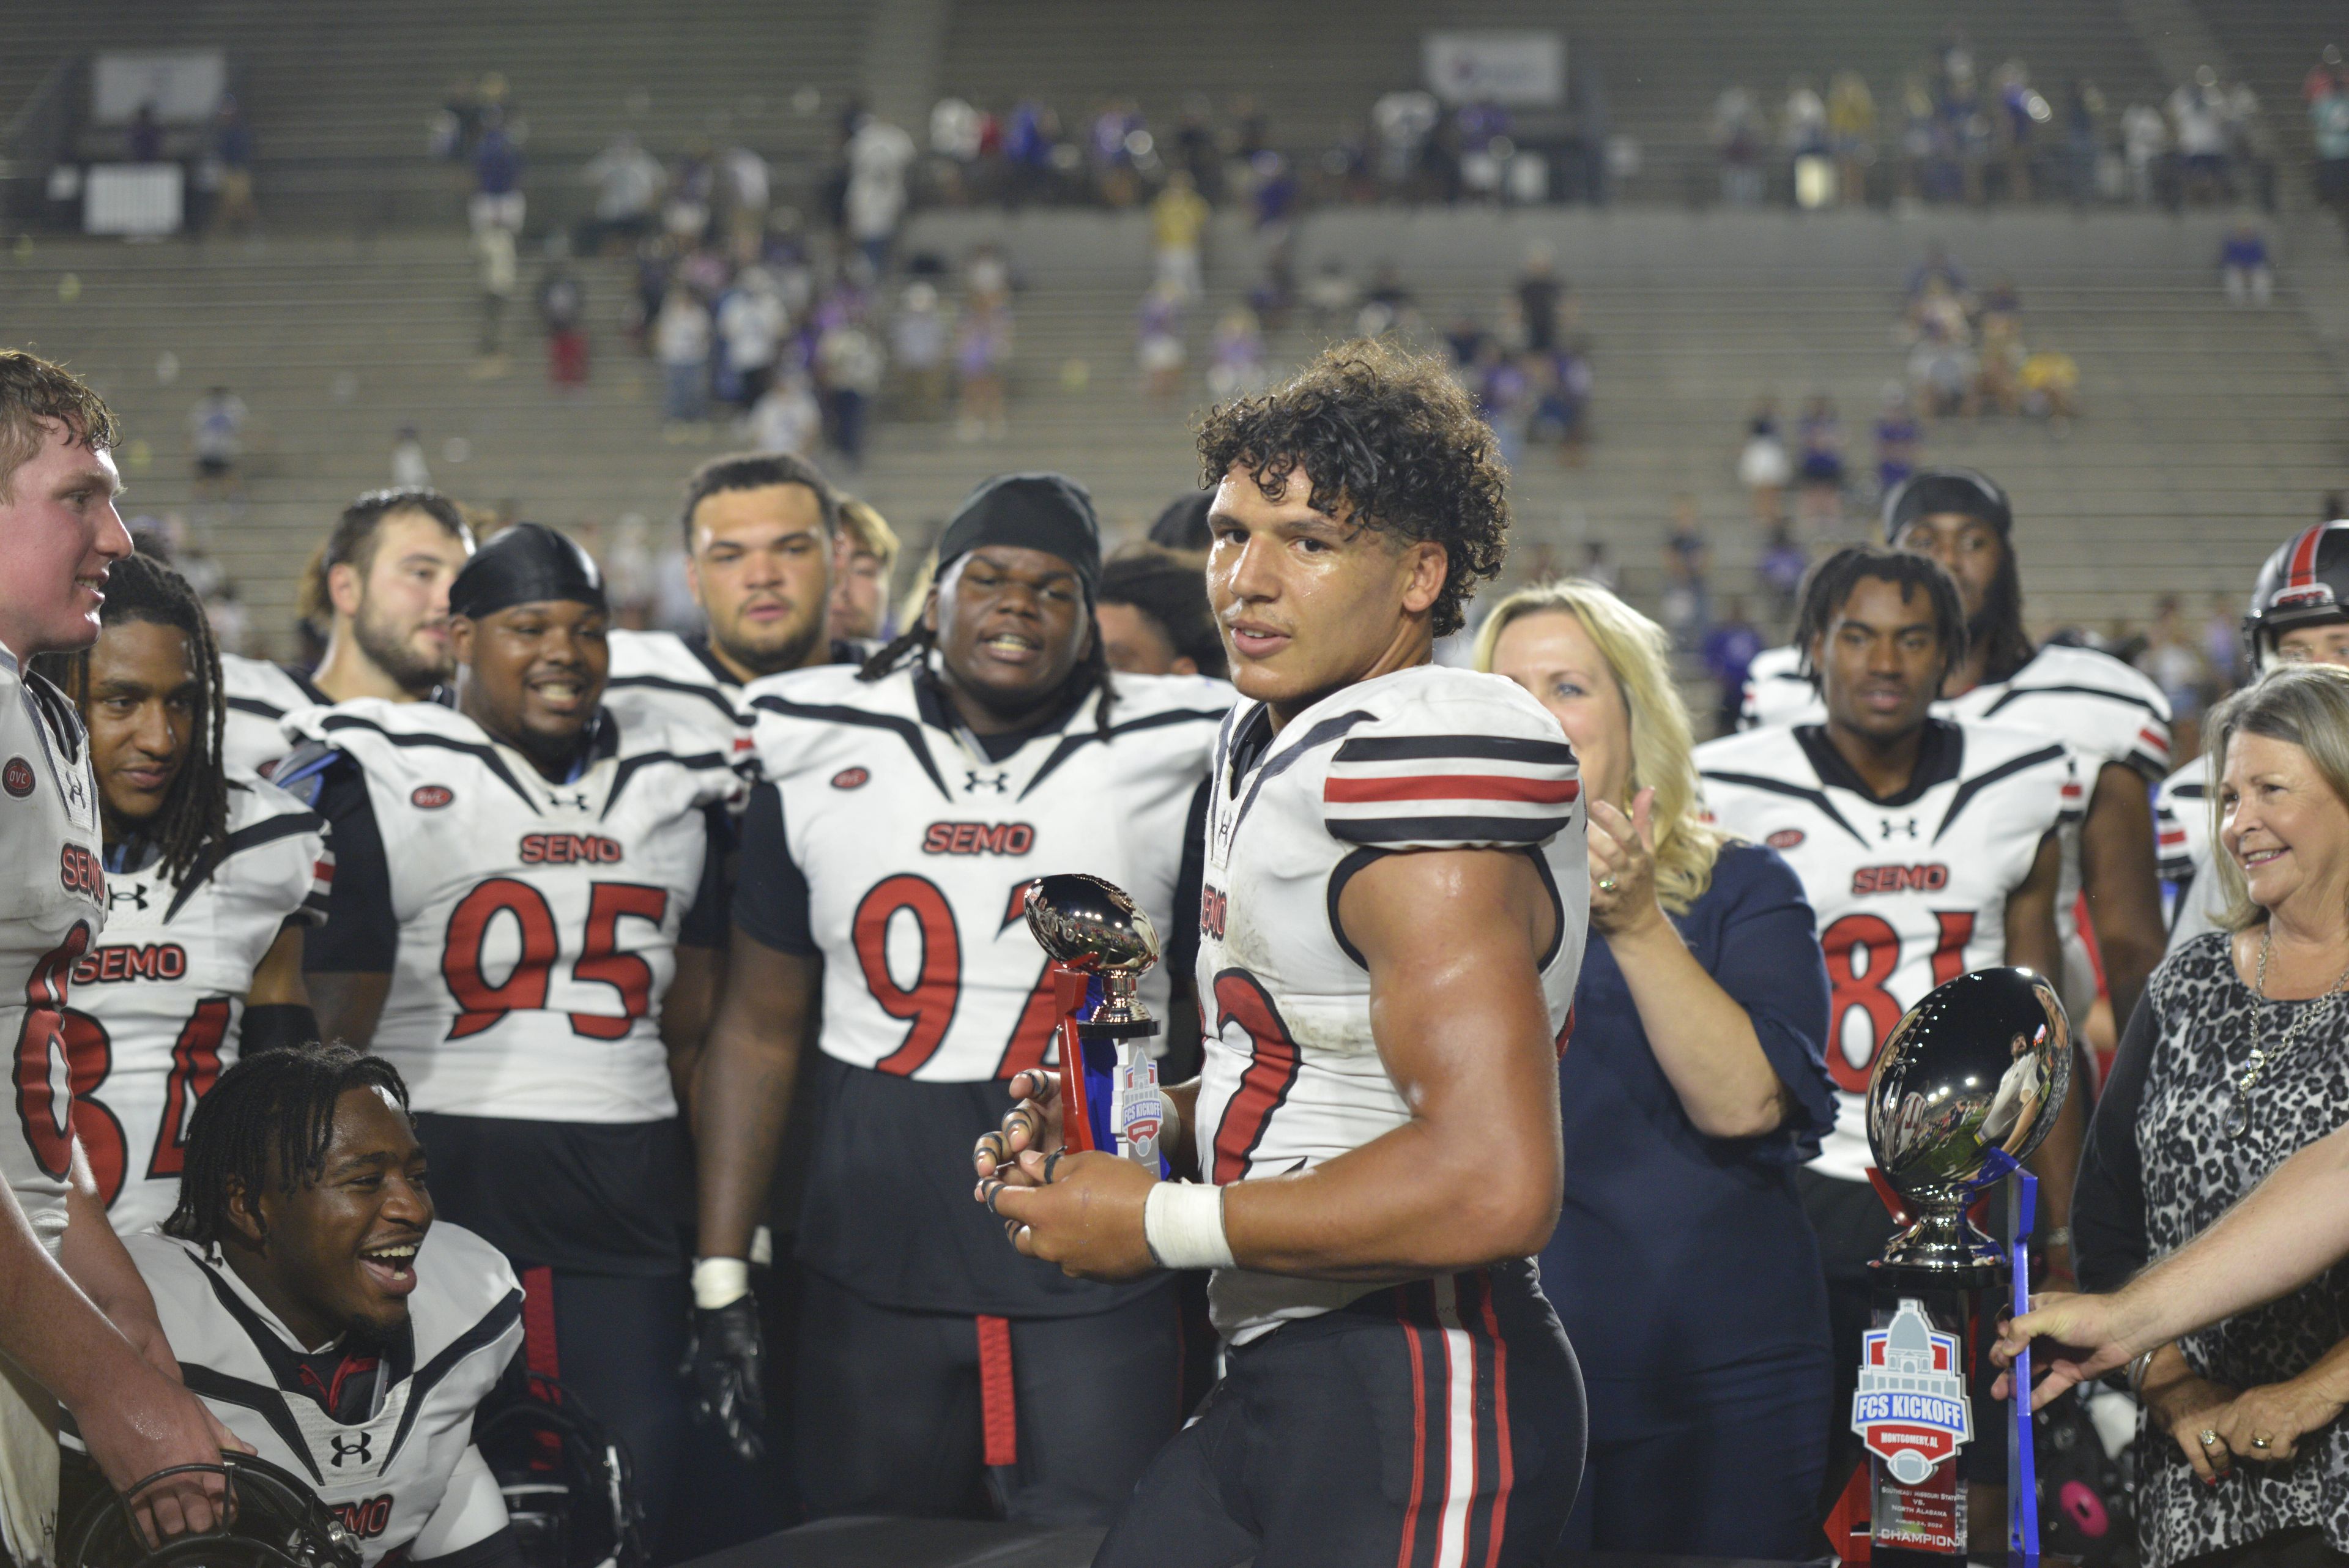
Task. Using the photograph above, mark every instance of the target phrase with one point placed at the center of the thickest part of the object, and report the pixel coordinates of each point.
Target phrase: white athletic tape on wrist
(1182, 1222)
(720, 1281)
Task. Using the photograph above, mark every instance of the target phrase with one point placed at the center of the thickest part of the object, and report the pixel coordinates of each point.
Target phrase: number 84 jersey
(1910, 890)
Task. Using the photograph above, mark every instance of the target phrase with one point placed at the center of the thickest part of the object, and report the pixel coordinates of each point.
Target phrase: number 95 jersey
(1425, 758)
(536, 923)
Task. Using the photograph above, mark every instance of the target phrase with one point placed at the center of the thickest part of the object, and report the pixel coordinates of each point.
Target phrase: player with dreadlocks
(210, 876)
(877, 918)
(329, 1319)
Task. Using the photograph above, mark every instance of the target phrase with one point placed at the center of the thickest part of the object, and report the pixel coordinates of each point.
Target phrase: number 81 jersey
(1910, 891)
(537, 923)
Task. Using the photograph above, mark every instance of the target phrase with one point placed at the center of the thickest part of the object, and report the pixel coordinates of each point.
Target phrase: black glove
(723, 1359)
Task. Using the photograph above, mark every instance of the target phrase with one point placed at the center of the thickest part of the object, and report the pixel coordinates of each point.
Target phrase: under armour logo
(73, 788)
(973, 780)
(1892, 828)
(351, 1448)
(116, 893)
(576, 800)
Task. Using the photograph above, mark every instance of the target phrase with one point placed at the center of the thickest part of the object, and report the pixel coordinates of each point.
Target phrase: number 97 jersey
(1910, 890)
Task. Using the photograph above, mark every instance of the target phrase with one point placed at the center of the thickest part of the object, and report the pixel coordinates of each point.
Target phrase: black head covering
(1963, 491)
(1046, 512)
(1183, 524)
(527, 563)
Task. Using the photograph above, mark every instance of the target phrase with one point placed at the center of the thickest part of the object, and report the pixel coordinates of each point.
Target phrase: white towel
(28, 1468)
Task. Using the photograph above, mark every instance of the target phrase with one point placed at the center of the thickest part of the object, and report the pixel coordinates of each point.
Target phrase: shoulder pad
(1451, 759)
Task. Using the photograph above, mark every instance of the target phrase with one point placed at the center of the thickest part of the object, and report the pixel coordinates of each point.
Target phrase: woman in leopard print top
(2236, 1058)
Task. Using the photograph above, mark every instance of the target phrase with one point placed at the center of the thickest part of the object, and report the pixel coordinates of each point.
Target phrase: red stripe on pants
(1500, 1421)
(1418, 1425)
(538, 1347)
(999, 1411)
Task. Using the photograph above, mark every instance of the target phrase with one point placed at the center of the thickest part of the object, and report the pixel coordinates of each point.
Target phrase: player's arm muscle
(94, 1258)
(742, 1090)
(2118, 872)
(2032, 941)
(349, 1005)
(277, 978)
(686, 1009)
(1453, 941)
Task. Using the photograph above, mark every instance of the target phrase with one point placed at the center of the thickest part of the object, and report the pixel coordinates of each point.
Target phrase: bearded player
(2113, 718)
(759, 545)
(1928, 847)
(327, 1317)
(96, 1349)
(209, 879)
(381, 583)
(2299, 615)
(1392, 922)
(518, 921)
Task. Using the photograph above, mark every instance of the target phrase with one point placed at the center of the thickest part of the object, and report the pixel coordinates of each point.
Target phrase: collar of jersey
(937, 711)
(1939, 755)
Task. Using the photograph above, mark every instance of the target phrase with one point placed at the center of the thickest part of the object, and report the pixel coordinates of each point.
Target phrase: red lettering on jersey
(978, 839)
(195, 1068)
(78, 871)
(927, 1006)
(431, 797)
(16, 778)
(1862, 951)
(1215, 909)
(1241, 999)
(42, 1044)
(1901, 879)
(569, 849)
(367, 1518)
(850, 778)
(156, 960)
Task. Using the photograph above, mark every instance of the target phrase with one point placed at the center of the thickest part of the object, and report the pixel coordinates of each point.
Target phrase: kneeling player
(324, 1317)
(1392, 920)
(208, 877)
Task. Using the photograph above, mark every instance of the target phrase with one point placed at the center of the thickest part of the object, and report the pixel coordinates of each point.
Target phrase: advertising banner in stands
(1498, 68)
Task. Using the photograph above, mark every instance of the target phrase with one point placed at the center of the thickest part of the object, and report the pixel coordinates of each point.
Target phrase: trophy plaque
(1963, 1091)
(1101, 944)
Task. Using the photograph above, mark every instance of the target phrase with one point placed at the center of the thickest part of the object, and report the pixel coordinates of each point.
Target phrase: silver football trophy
(1968, 1085)
(1101, 944)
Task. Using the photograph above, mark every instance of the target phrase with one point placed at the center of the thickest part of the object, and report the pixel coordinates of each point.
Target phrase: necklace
(2238, 1122)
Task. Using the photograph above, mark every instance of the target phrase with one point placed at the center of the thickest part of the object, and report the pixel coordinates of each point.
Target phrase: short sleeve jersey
(50, 841)
(260, 695)
(911, 850)
(386, 1473)
(537, 922)
(157, 1005)
(1910, 890)
(660, 676)
(2181, 821)
(1425, 758)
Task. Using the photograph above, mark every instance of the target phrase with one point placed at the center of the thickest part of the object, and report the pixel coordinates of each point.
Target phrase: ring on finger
(1606, 884)
(2258, 1442)
(1051, 1160)
(2207, 1437)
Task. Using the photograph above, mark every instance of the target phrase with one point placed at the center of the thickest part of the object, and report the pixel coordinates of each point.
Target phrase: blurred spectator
(877, 156)
(1762, 467)
(1737, 135)
(2145, 141)
(1236, 367)
(2051, 386)
(1999, 360)
(681, 339)
(2021, 111)
(497, 275)
(2243, 266)
(1851, 132)
(1821, 468)
(1898, 438)
(1177, 219)
(1562, 385)
(918, 337)
(982, 361)
(1685, 607)
(1539, 294)
(1728, 650)
(1331, 294)
(751, 323)
(691, 195)
(562, 312)
(787, 416)
(745, 189)
(2082, 110)
(230, 160)
(1158, 350)
(2223, 640)
(216, 440)
(2197, 116)
(1780, 569)
(2174, 661)
(2324, 75)
(851, 365)
(1938, 267)
(2328, 128)
(1803, 137)
(408, 469)
(627, 181)
(144, 138)
(497, 177)
(1942, 364)
(1599, 567)
(864, 552)
(1402, 121)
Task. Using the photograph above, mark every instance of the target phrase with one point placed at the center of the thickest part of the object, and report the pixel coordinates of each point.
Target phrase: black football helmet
(2305, 583)
(278, 1522)
(569, 1485)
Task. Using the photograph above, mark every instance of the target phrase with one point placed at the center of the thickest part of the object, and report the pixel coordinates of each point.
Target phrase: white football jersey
(538, 921)
(659, 675)
(1425, 758)
(260, 694)
(1911, 892)
(156, 1007)
(50, 839)
(2181, 820)
(412, 1459)
(917, 851)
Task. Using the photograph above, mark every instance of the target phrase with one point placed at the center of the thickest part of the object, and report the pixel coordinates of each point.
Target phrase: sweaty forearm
(1407, 1204)
(47, 1325)
(741, 1101)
